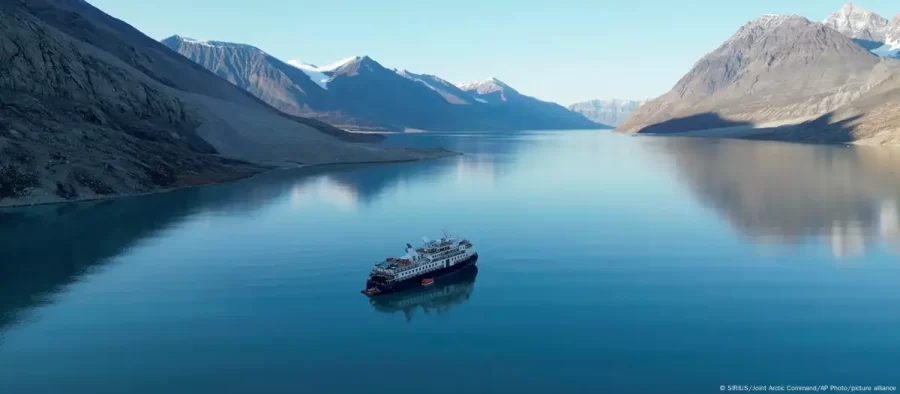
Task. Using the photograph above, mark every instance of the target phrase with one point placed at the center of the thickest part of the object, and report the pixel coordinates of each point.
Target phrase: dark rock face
(362, 93)
(67, 110)
(15, 181)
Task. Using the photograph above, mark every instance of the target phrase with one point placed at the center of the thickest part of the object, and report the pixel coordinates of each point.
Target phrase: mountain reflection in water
(776, 193)
(445, 294)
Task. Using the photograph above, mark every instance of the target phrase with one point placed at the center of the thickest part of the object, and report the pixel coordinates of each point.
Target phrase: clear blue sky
(560, 50)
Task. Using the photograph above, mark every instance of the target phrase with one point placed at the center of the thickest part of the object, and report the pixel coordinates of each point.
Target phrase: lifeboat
(371, 291)
(427, 282)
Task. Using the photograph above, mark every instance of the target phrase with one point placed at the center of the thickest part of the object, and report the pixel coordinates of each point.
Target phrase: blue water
(607, 263)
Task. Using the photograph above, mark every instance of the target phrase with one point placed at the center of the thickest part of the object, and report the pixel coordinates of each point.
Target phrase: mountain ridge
(361, 93)
(774, 68)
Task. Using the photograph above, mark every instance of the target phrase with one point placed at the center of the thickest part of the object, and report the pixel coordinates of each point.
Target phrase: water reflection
(47, 248)
(777, 193)
(478, 168)
(445, 294)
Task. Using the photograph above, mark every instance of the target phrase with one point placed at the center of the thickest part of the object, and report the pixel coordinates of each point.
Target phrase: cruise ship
(421, 266)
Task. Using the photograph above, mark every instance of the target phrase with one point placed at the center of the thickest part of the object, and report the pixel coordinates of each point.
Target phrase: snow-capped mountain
(611, 112)
(868, 29)
(358, 92)
(858, 23)
(491, 90)
(320, 75)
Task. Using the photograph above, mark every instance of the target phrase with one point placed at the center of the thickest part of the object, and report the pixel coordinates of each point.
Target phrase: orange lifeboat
(427, 282)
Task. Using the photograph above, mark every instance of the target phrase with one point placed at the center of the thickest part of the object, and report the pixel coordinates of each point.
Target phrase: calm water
(608, 264)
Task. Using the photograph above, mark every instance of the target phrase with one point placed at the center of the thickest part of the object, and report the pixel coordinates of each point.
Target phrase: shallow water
(607, 264)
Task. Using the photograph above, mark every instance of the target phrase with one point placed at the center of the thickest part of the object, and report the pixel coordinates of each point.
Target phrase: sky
(562, 50)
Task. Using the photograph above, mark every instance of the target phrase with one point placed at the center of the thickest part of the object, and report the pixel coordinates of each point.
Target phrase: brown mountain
(775, 68)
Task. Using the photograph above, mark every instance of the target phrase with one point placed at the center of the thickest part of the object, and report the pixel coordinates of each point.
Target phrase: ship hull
(416, 281)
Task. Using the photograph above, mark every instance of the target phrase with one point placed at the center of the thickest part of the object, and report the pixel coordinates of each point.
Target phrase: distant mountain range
(786, 69)
(612, 112)
(358, 92)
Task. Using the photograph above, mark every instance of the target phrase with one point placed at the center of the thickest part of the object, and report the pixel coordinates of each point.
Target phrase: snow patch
(424, 83)
(319, 74)
(338, 64)
(313, 72)
(410, 76)
(492, 81)
(195, 41)
(188, 40)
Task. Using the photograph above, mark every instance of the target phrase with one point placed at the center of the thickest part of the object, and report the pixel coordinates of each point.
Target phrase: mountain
(235, 63)
(775, 68)
(447, 90)
(367, 90)
(289, 88)
(611, 112)
(93, 108)
(360, 92)
(527, 111)
(858, 23)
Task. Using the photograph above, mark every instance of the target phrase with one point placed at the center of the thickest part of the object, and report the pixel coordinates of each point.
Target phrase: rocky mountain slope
(360, 92)
(872, 119)
(283, 86)
(775, 68)
(93, 108)
(611, 112)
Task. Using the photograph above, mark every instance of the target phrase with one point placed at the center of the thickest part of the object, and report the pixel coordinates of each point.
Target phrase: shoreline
(435, 156)
(794, 131)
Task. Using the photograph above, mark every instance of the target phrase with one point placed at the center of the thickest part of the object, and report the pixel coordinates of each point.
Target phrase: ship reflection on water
(445, 294)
